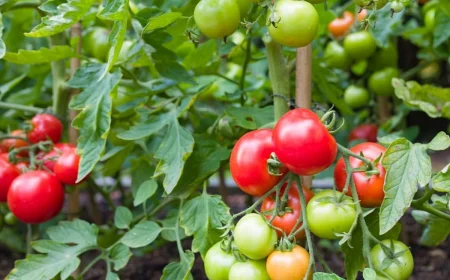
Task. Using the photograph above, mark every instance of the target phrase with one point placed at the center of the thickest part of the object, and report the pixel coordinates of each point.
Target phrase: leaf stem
(346, 152)
(91, 264)
(248, 55)
(12, 106)
(430, 209)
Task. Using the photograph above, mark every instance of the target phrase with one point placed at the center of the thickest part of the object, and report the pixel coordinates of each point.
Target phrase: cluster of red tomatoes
(31, 183)
(301, 144)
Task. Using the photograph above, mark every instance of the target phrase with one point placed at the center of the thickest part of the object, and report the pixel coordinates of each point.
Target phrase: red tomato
(339, 26)
(362, 15)
(366, 132)
(287, 221)
(12, 143)
(51, 157)
(302, 143)
(8, 173)
(248, 162)
(370, 190)
(66, 167)
(35, 197)
(45, 127)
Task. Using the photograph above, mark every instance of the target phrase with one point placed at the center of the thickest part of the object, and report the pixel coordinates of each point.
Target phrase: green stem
(29, 239)
(18, 107)
(248, 55)
(91, 264)
(177, 234)
(279, 76)
(60, 95)
(154, 210)
(346, 152)
(430, 209)
(413, 71)
(226, 78)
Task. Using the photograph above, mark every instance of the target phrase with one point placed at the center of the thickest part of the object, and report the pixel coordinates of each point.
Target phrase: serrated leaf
(326, 276)
(179, 270)
(174, 71)
(141, 234)
(161, 21)
(122, 217)
(173, 152)
(119, 256)
(202, 217)
(51, 6)
(95, 118)
(386, 23)
(115, 10)
(441, 32)
(2, 43)
(43, 55)
(147, 128)
(55, 256)
(251, 117)
(436, 229)
(68, 14)
(145, 191)
(441, 181)
(407, 166)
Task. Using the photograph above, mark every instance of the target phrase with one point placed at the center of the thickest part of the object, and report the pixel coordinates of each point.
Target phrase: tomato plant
(51, 157)
(8, 173)
(66, 167)
(45, 127)
(367, 132)
(401, 260)
(339, 26)
(217, 18)
(218, 263)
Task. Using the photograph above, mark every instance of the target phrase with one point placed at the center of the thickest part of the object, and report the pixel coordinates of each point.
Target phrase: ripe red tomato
(367, 132)
(36, 197)
(339, 26)
(51, 157)
(45, 127)
(8, 173)
(302, 143)
(287, 221)
(66, 167)
(12, 143)
(292, 265)
(21, 165)
(248, 162)
(370, 190)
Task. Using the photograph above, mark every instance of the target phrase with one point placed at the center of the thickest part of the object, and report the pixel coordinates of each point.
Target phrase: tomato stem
(422, 204)
(346, 152)
(23, 108)
(248, 55)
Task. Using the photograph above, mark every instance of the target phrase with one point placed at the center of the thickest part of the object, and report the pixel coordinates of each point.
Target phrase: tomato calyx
(274, 165)
(329, 120)
(285, 245)
(391, 255)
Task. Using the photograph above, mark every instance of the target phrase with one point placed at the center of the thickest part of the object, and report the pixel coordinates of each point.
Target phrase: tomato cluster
(33, 167)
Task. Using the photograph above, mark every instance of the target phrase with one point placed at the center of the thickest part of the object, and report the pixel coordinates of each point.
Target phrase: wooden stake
(303, 84)
(384, 109)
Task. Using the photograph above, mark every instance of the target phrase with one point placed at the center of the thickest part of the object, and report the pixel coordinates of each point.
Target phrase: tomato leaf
(407, 166)
(169, 232)
(68, 14)
(146, 128)
(436, 229)
(251, 117)
(180, 270)
(174, 71)
(202, 216)
(141, 234)
(441, 32)
(386, 24)
(369, 274)
(326, 276)
(95, 118)
(119, 256)
(55, 255)
(43, 55)
(51, 6)
(123, 217)
(162, 21)
(145, 191)
(2, 43)
(115, 160)
(441, 181)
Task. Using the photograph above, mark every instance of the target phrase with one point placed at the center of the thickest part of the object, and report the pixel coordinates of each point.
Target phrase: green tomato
(380, 82)
(386, 57)
(96, 43)
(397, 6)
(253, 237)
(398, 271)
(326, 216)
(217, 18)
(356, 97)
(244, 7)
(360, 45)
(336, 57)
(10, 219)
(287, 29)
(218, 263)
(431, 72)
(365, 4)
(430, 19)
(359, 67)
(249, 270)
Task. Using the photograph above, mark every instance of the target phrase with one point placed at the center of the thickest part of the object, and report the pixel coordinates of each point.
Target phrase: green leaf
(386, 23)
(432, 100)
(123, 217)
(119, 256)
(43, 55)
(202, 217)
(51, 6)
(179, 270)
(369, 274)
(68, 14)
(407, 166)
(251, 117)
(141, 234)
(115, 10)
(175, 149)
(174, 71)
(145, 191)
(441, 181)
(161, 21)
(169, 231)
(2, 43)
(436, 231)
(112, 276)
(95, 118)
(440, 142)
(441, 32)
(54, 255)
(115, 159)
(326, 276)
(147, 128)
(6, 87)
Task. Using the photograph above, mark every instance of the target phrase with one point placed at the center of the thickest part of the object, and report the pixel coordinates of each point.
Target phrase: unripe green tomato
(397, 6)
(386, 57)
(431, 72)
(217, 18)
(244, 7)
(364, 3)
(336, 57)
(288, 29)
(249, 270)
(430, 19)
(356, 97)
(402, 268)
(360, 45)
(380, 82)
(96, 43)
(218, 263)
(10, 219)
